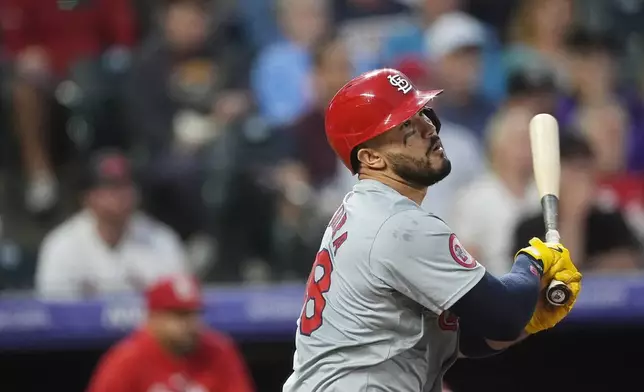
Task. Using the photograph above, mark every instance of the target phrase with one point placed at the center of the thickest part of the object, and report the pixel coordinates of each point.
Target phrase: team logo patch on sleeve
(448, 321)
(459, 254)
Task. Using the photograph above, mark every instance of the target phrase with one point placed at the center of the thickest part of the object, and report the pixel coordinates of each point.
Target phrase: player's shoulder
(146, 224)
(70, 228)
(415, 220)
(374, 197)
(126, 352)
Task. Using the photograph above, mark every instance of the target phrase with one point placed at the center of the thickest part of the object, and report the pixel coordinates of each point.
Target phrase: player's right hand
(546, 316)
(554, 257)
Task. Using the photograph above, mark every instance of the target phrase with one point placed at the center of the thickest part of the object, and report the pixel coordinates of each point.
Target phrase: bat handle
(557, 293)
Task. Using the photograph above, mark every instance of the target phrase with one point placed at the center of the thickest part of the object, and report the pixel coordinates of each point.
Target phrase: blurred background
(140, 138)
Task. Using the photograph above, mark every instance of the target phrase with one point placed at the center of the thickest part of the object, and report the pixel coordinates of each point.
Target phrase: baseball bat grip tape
(557, 293)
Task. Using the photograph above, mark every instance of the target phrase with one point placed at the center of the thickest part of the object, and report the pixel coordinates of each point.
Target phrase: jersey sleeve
(416, 254)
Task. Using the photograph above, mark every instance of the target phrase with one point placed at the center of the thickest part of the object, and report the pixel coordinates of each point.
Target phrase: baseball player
(173, 351)
(393, 298)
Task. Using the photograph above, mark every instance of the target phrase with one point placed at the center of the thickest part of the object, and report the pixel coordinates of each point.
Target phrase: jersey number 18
(314, 303)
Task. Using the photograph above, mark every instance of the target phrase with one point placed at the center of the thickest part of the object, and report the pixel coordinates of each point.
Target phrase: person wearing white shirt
(487, 210)
(107, 247)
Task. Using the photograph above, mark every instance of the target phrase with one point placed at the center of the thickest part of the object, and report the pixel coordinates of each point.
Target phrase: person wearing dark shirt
(185, 89)
(598, 237)
(331, 70)
(311, 182)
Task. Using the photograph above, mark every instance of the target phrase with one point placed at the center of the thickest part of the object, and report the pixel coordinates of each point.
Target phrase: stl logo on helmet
(398, 81)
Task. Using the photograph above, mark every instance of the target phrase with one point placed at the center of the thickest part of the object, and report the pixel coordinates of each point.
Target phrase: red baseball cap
(107, 167)
(177, 292)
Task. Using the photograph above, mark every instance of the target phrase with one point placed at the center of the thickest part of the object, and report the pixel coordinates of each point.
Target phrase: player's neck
(165, 344)
(111, 234)
(415, 194)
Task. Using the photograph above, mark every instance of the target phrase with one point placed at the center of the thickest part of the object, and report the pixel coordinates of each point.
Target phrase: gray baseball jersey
(375, 315)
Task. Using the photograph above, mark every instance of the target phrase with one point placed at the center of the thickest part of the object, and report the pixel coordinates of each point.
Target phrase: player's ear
(371, 158)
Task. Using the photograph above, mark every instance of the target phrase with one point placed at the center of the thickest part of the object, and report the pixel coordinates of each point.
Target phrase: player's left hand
(554, 256)
(546, 315)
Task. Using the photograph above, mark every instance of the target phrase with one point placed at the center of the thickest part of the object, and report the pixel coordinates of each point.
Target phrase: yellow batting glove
(546, 315)
(556, 265)
(554, 258)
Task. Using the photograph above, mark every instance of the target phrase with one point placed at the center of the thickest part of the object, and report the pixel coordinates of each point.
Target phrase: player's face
(114, 203)
(417, 154)
(180, 330)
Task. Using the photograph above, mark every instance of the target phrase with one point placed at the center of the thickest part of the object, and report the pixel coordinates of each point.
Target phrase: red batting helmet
(370, 105)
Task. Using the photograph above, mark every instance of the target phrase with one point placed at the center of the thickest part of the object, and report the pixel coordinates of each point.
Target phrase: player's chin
(439, 160)
(442, 167)
(187, 346)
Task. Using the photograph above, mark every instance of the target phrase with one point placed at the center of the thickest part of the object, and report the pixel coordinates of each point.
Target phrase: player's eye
(407, 124)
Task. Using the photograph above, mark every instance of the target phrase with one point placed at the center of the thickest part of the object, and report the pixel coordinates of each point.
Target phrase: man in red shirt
(173, 352)
(47, 42)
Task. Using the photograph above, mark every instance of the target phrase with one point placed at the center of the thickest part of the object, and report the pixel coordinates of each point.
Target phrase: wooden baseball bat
(544, 142)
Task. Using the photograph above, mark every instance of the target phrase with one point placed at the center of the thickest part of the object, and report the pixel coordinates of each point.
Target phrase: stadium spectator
(597, 235)
(417, 71)
(537, 34)
(410, 41)
(595, 84)
(611, 117)
(241, 191)
(108, 246)
(346, 10)
(454, 45)
(258, 17)
(313, 182)
(605, 127)
(186, 87)
(331, 70)
(174, 350)
(279, 76)
(532, 87)
(492, 205)
(496, 13)
(49, 43)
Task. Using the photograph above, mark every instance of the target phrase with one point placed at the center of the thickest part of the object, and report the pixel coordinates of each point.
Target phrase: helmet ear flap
(433, 117)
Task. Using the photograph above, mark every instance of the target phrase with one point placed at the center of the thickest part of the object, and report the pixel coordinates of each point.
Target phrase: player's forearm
(499, 309)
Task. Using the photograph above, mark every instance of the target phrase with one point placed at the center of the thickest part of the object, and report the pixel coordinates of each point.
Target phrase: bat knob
(558, 293)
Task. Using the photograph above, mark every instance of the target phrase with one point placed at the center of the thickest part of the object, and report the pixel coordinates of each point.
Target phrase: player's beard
(187, 345)
(420, 172)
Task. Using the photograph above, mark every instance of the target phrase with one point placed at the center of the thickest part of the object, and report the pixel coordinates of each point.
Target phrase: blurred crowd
(141, 138)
